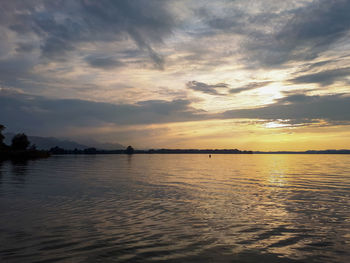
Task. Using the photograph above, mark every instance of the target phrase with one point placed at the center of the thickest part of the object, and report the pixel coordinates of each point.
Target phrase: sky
(253, 75)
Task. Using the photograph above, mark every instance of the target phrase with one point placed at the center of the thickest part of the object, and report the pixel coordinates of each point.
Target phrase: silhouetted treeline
(20, 148)
(205, 151)
(130, 150)
(58, 150)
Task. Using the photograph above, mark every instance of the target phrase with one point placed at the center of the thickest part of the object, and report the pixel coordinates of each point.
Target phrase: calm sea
(176, 208)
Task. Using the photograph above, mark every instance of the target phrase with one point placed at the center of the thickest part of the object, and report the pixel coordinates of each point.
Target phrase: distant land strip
(58, 150)
(306, 152)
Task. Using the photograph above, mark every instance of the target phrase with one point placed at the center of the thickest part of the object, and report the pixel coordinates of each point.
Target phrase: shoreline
(23, 155)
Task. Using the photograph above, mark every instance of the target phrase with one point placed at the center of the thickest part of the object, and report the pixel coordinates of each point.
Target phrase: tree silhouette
(2, 137)
(20, 142)
(57, 150)
(32, 147)
(129, 150)
(90, 150)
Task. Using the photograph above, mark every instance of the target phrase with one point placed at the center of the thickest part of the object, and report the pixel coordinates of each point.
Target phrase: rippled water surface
(176, 208)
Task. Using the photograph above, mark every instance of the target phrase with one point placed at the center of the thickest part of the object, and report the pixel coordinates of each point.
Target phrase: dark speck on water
(172, 208)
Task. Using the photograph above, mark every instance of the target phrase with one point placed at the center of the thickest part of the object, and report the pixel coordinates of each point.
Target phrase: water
(176, 208)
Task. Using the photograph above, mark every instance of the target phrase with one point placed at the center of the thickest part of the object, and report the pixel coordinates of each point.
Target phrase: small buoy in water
(209, 155)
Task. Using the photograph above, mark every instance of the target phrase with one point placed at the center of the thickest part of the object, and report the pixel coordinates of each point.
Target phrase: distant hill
(46, 143)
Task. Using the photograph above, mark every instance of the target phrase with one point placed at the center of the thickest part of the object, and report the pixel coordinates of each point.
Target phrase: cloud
(40, 115)
(309, 31)
(321, 22)
(14, 69)
(300, 107)
(273, 33)
(269, 32)
(206, 88)
(62, 27)
(103, 62)
(323, 78)
(23, 47)
(52, 48)
(250, 86)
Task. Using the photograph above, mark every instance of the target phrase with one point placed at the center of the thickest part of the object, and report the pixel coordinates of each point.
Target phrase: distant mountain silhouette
(46, 143)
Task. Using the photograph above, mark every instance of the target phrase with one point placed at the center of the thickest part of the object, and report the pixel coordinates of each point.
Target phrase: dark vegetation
(20, 142)
(130, 150)
(58, 150)
(20, 148)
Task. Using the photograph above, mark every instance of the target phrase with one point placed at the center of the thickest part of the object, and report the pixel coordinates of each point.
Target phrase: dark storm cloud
(12, 69)
(250, 86)
(212, 89)
(321, 21)
(276, 36)
(317, 65)
(323, 78)
(40, 114)
(24, 47)
(311, 30)
(62, 25)
(206, 88)
(236, 22)
(273, 35)
(300, 107)
(103, 62)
